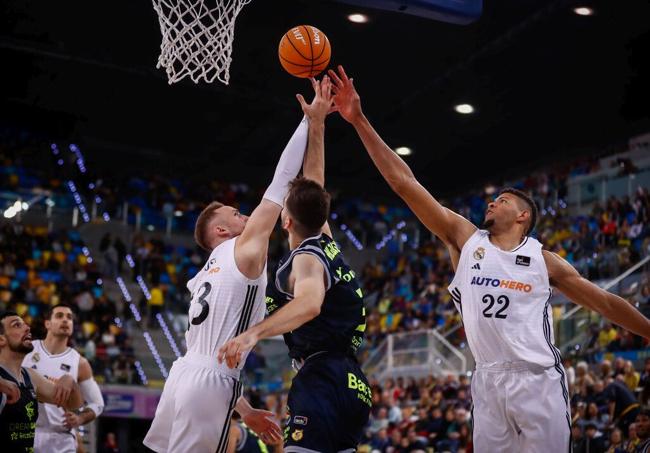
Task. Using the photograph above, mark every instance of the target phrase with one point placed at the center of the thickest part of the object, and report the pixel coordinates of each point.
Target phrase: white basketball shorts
(48, 441)
(520, 407)
(193, 414)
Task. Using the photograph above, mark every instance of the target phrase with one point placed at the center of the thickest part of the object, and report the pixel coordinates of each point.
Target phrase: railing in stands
(415, 354)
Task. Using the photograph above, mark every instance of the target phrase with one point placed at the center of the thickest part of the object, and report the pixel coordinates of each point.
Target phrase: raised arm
(314, 166)
(581, 291)
(451, 228)
(252, 245)
(309, 293)
(64, 392)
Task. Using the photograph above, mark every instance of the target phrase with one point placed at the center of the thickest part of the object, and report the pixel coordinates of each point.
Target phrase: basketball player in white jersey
(53, 358)
(228, 296)
(502, 288)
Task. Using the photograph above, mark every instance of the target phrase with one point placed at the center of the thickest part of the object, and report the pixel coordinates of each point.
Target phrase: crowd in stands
(405, 291)
(39, 269)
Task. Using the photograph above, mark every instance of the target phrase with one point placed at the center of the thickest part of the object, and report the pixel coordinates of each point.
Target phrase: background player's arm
(583, 292)
(252, 244)
(451, 228)
(11, 390)
(314, 166)
(233, 437)
(91, 395)
(65, 392)
(309, 293)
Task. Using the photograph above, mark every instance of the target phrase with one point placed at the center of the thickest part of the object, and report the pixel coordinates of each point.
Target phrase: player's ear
(48, 323)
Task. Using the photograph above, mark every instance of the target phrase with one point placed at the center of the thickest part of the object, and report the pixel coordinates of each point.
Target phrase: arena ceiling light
(358, 18)
(464, 109)
(583, 11)
(404, 151)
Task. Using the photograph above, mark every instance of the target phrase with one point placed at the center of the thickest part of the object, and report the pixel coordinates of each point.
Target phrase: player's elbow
(400, 182)
(312, 311)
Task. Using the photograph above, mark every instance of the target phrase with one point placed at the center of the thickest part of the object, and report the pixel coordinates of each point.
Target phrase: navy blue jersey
(341, 323)
(18, 420)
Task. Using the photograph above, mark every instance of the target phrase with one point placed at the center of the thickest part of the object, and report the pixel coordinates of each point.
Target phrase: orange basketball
(304, 51)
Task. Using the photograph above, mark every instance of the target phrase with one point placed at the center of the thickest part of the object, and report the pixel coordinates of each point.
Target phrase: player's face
(642, 426)
(502, 213)
(17, 336)
(230, 221)
(61, 322)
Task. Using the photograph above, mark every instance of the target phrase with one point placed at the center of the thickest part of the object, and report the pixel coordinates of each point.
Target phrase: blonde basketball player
(200, 394)
(502, 288)
(53, 358)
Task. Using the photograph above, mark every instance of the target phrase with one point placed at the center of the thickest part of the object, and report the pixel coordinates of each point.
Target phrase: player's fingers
(301, 99)
(335, 78)
(344, 76)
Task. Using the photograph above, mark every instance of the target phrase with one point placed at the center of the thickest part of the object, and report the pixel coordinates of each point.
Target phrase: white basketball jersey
(224, 302)
(52, 366)
(503, 297)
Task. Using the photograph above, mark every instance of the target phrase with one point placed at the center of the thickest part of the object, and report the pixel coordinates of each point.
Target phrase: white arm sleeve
(289, 164)
(92, 396)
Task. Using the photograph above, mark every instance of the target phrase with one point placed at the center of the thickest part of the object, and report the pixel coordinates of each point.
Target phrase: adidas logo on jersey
(476, 267)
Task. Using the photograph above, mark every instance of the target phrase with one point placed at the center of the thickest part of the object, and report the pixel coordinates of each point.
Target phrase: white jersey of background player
(502, 286)
(52, 358)
(228, 295)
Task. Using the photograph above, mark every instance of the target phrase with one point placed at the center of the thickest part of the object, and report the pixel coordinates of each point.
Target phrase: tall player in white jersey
(228, 296)
(53, 358)
(502, 287)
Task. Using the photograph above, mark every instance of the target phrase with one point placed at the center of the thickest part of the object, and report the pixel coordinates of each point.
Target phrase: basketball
(304, 51)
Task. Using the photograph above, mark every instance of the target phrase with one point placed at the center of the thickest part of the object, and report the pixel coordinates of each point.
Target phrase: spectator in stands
(633, 440)
(643, 430)
(606, 336)
(644, 383)
(623, 406)
(630, 376)
(110, 444)
(593, 441)
(616, 444)
(155, 304)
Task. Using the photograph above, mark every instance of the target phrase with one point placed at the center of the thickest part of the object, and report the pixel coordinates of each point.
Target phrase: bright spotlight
(583, 11)
(404, 151)
(465, 109)
(358, 18)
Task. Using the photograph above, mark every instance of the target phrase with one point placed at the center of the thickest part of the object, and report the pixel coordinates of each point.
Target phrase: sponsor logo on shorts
(297, 435)
(505, 284)
(300, 420)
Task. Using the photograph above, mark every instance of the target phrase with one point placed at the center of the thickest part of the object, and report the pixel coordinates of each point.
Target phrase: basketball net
(197, 38)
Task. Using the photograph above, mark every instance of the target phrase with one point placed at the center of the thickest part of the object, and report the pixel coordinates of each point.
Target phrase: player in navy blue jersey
(315, 300)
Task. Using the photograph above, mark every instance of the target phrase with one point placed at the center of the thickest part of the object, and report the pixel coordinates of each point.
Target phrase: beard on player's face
(21, 347)
(487, 224)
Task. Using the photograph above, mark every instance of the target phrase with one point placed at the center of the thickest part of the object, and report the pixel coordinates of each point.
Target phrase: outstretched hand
(262, 424)
(232, 351)
(346, 98)
(321, 105)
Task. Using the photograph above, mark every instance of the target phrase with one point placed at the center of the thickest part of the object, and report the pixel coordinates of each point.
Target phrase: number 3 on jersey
(202, 294)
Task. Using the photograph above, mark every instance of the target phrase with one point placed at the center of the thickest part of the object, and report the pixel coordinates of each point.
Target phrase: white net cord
(197, 38)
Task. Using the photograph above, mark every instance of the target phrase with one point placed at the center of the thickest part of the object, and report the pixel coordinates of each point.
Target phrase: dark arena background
(106, 166)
